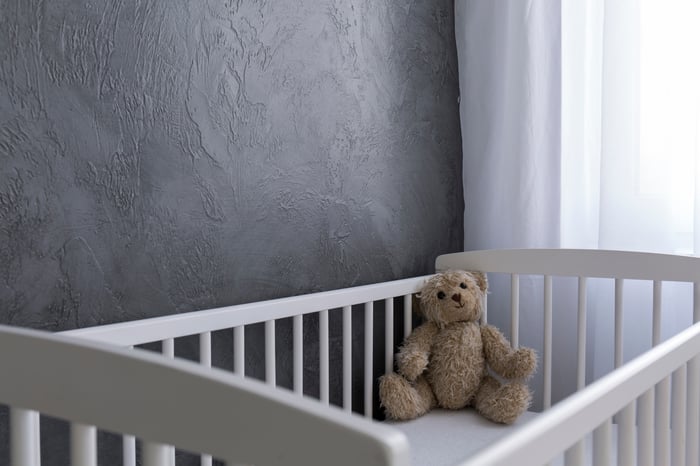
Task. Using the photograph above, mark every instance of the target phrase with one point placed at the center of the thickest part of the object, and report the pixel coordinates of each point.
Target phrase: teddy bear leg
(403, 400)
(502, 403)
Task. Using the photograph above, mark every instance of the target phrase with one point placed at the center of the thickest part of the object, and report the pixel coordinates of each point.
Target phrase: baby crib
(645, 411)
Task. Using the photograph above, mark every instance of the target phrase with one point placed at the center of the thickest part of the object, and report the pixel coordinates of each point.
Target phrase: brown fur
(445, 361)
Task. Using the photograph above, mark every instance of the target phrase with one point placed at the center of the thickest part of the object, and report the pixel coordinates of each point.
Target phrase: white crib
(646, 411)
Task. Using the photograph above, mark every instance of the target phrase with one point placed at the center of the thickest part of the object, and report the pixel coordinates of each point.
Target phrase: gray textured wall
(163, 156)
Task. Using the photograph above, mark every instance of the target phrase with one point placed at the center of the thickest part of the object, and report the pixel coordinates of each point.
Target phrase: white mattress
(447, 437)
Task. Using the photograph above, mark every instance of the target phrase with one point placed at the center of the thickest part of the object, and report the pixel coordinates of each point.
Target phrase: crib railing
(166, 329)
(178, 402)
(576, 263)
(654, 411)
(654, 404)
(586, 411)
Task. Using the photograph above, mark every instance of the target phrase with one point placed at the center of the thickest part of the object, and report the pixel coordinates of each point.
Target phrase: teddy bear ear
(481, 280)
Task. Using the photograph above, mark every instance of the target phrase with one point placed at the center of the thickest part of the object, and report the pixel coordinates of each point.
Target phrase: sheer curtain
(631, 125)
(509, 69)
(581, 128)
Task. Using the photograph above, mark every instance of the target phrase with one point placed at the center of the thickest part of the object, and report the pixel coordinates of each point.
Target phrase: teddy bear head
(453, 296)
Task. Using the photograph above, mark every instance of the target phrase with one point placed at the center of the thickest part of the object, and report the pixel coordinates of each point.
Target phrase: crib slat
(661, 413)
(270, 366)
(602, 450)
(323, 356)
(168, 348)
(693, 392)
(581, 323)
(154, 454)
(298, 343)
(645, 441)
(678, 415)
(618, 342)
(575, 456)
(485, 309)
(129, 447)
(205, 349)
(625, 436)
(514, 309)
(205, 360)
(656, 319)
(129, 450)
(239, 350)
(36, 424)
(369, 337)
(168, 450)
(547, 370)
(619, 289)
(662, 416)
(347, 358)
(83, 445)
(407, 315)
(388, 335)
(23, 450)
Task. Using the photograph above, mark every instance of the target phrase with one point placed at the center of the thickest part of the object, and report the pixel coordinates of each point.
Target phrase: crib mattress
(447, 437)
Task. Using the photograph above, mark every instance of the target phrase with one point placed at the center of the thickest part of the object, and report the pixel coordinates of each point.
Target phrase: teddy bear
(445, 361)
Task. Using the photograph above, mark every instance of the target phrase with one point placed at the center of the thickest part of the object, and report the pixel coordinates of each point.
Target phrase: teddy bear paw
(523, 362)
(412, 365)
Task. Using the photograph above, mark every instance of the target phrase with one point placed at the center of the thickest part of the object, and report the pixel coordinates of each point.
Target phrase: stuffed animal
(444, 362)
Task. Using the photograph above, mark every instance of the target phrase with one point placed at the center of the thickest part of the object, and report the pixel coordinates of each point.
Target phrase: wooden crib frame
(660, 388)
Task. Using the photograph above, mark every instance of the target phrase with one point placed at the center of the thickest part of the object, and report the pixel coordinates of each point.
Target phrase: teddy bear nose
(457, 298)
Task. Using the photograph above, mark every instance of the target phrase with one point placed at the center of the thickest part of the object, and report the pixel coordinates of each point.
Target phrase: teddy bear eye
(441, 295)
(463, 285)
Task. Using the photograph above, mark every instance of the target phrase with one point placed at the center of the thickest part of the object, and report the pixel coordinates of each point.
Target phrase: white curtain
(509, 75)
(581, 128)
(630, 126)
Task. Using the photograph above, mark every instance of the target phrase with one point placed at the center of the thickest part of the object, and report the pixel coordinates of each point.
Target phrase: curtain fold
(509, 59)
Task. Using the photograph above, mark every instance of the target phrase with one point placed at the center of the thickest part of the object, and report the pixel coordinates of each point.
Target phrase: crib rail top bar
(578, 263)
(571, 419)
(172, 326)
(168, 401)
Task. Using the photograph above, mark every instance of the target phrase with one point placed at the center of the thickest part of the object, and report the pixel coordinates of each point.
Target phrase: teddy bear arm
(414, 355)
(506, 362)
